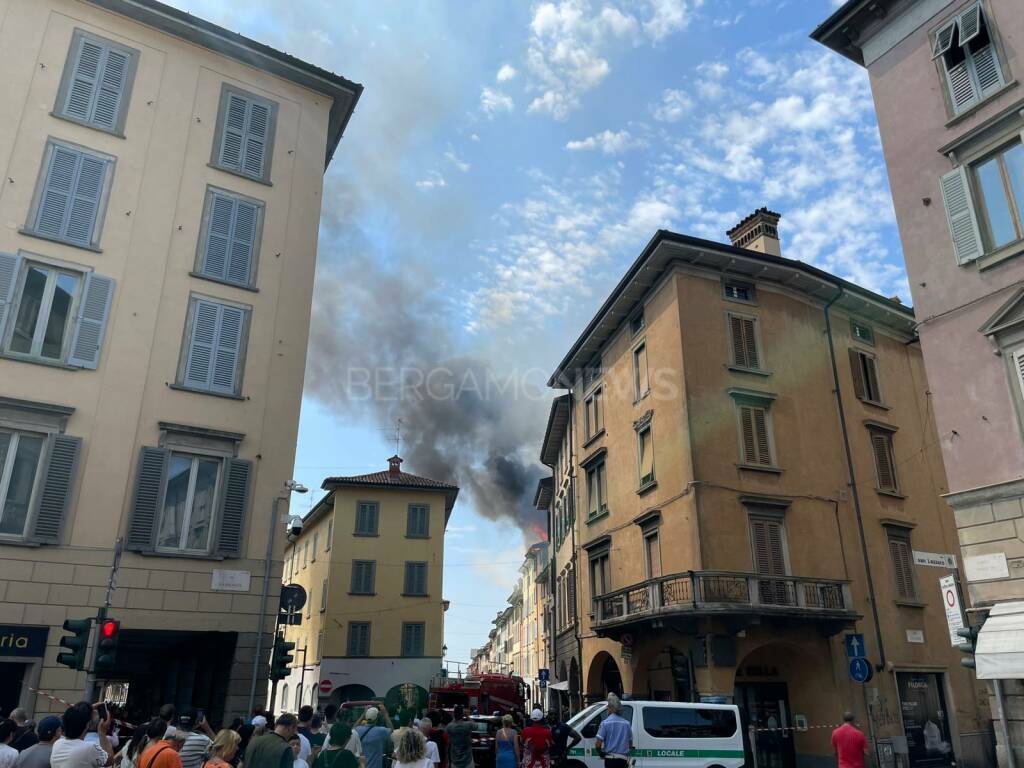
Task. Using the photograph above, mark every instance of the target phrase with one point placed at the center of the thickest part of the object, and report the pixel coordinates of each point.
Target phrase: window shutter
(738, 348)
(233, 132)
(410, 579)
(902, 568)
(52, 506)
(84, 76)
(857, 371)
(1018, 366)
(987, 70)
(323, 596)
(233, 506)
(750, 344)
(747, 434)
(257, 130)
(963, 224)
(970, 24)
(961, 86)
(759, 535)
(199, 363)
(111, 89)
(10, 265)
(230, 239)
(58, 187)
(872, 390)
(85, 203)
(764, 454)
(421, 579)
(881, 444)
(148, 496)
(571, 594)
(943, 39)
(218, 236)
(228, 350)
(91, 323)
(243, 242)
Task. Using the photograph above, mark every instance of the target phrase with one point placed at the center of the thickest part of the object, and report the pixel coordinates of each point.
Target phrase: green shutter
(233, 507)
(147, 498)
(52, 507)
(91, 323)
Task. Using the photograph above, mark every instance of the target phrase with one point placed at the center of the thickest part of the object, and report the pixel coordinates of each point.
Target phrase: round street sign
(326, 686)
(860, 670)
(626, 639)
(293, 597)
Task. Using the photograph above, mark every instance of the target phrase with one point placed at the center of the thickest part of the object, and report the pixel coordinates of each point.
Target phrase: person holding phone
(198, 737)
(72, 750)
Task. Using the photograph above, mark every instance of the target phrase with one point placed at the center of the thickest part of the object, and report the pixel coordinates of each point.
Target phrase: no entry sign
(326, 686)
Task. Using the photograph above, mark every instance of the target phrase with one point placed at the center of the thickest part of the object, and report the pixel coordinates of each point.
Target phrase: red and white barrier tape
(67, 703)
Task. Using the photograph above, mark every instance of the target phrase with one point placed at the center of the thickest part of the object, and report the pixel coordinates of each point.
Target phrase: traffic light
(106, 644)
(281, 658)
(76, 643)
(970, 634)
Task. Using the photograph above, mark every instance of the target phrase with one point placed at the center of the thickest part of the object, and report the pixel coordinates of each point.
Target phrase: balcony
(745, 598)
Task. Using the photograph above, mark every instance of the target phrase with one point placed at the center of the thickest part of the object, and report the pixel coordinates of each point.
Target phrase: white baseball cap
(259, 720)
(536, 715)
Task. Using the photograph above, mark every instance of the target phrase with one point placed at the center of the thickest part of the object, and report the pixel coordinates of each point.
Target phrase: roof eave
(842, 30)
(558, 422)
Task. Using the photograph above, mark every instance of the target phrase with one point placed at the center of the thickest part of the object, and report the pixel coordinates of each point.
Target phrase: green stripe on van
(669, 753)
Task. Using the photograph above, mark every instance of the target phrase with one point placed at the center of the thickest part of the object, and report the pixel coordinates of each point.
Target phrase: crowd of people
(90, 736)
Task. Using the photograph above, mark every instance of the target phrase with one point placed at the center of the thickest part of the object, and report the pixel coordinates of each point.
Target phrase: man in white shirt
(8, 754)
(71, 751)
(426, 726)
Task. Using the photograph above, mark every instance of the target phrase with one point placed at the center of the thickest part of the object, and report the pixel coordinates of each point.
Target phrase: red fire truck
(485, 694)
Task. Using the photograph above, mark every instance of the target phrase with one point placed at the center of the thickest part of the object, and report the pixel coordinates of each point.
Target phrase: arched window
(284, 694)
(298, 697)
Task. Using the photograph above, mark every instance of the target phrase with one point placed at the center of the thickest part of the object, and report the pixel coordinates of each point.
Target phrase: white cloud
(668, 16)
(609, 142)
(506, 73)
(730, 21)
(673, 105)
(493, 101)
(474, 137)
(434, 180)
(452, 157)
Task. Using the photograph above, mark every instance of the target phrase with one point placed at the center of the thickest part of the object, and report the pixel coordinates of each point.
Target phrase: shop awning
(1000, 650)
(563, 686)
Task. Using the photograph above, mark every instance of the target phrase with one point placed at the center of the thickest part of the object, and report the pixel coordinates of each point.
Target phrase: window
(190, 499)
(885, 459)
(364, 573)
(902, 563)
(755, 439)
(999, 183)
(229, 243)
(316, 546)
(323, 596)
(213, 354)
(359, 638)
(97, 82)
(54, 314)
(20, 454)
(637, 323)
(864, 367)
(768, 545)
(330, 535)
(589, 731)
(305, 555)
(641, 380)
(413, 634)
(244, 141)
(592, 372)
(418, 523)
(686, 723)
(593, 413)
(743, 340)
(367, 514)
(652, 554)
(861, 332)
(645, 454)
(321, 637)
(597, 489)
(968, 59)
(71, 195)
(415, 579)
(309, 604)
(600, 574)
(738, 291)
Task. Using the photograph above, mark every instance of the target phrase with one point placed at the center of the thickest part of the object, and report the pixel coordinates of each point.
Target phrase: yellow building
(161, 204)
(758, 477)
(371, 559)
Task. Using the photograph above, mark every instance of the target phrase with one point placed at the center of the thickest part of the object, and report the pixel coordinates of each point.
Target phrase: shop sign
(22, 641)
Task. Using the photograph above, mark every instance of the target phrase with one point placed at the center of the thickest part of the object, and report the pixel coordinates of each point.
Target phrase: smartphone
(200, 715)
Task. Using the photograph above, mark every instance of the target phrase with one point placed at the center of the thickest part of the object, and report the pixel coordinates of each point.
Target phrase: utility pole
(90, 679)
(302, 674)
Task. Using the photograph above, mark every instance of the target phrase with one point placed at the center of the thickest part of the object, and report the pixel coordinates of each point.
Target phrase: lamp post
(291, 487)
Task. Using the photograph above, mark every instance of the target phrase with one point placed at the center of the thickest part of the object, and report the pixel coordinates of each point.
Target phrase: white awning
(1000, 650)
(563, 686)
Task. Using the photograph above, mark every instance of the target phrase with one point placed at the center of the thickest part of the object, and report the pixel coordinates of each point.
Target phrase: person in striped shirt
(198, 738)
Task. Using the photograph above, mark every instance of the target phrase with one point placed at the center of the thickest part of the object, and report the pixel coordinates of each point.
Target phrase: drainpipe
(575, 557)
(852, 479)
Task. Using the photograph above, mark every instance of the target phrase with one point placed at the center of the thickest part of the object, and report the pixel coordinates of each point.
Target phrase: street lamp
(291, 486)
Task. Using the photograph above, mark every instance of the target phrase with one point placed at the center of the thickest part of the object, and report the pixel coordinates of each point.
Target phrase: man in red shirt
(849, 743)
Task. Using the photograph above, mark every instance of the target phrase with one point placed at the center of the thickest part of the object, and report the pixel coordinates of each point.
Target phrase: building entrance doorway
(12, 677)
(765, 706)
(925, 720)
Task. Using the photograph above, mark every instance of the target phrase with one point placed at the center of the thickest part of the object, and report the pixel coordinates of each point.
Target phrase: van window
(590, 729)
(689, 723)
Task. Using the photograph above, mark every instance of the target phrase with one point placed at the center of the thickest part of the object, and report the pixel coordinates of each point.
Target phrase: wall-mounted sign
(231, 581)
(984, 567)
(22, 641)
(951, 602)
(915, 635)
(934, 559)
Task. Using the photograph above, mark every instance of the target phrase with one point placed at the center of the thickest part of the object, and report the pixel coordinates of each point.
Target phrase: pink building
(951, 112)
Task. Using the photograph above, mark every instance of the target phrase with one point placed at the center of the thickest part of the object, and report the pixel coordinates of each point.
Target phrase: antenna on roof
(398, 437)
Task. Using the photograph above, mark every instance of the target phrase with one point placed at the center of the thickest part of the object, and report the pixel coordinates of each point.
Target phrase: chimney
(758, 232)
(395, 465)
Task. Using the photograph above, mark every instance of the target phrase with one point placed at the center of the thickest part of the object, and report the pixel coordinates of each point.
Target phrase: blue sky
(506, 163)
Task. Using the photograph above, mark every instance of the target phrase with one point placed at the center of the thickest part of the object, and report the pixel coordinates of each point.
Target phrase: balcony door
(768, 542)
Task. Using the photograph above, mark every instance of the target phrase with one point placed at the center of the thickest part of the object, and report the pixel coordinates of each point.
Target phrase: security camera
(294, 525)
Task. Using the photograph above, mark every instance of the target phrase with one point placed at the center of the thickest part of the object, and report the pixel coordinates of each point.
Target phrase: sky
(506, 163)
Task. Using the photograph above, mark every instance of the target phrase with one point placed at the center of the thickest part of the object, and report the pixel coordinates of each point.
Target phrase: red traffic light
(109, 628)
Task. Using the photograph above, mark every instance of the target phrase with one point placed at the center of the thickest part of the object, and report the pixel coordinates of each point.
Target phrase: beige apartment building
(945, 77)
(758, 480)
(160, 208)
(371, 561)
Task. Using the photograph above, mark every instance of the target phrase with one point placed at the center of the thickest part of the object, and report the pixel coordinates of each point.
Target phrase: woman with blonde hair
(506, 744)
(223, 749)
(412, 750)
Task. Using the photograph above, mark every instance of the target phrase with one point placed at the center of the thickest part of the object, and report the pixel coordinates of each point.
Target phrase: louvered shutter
(969, 23)
(243, 242)
(323, 596)
(91, 323)
(872, 390)
(857, 372)
(750, 344)
(199, 361)
(112, 81)
(10, 265)
(1018, 367)
(988, 73)
(410, 579)
(421, 579)
(230, 243)
(764, 454)
(84, 77)
(960, 215)
(943, 39)
(58, 186)
(903, 568)
(747, 434)
(571, 594)
(147, 498)
(881, 444)
(234, 503)
(52, 507)
(218, 236)
(738, 348)
(85, 202)
(769, 558)
(257, 130)
(228, 351)
(97, 84)
(70, 200)
(962, 91)
(233, 132)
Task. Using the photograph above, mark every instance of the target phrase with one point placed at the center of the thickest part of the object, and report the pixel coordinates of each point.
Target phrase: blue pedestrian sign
(543, 675)
(854, 646)
(860, 670)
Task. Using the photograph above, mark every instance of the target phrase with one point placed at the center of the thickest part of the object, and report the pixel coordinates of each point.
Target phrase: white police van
(666, 734)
